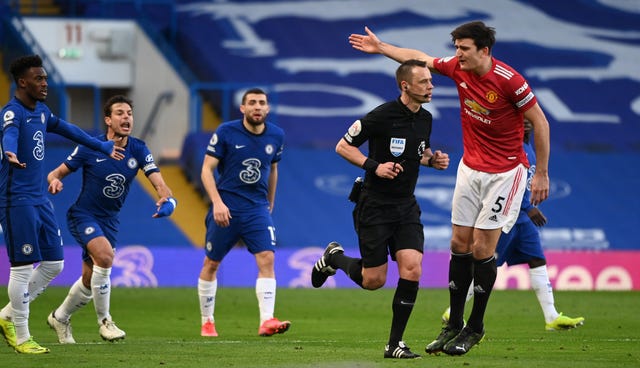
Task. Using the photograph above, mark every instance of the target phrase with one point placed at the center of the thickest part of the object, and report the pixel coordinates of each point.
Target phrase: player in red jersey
(491, 176)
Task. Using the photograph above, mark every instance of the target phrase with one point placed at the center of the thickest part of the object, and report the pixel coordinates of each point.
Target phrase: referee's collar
(406, 109)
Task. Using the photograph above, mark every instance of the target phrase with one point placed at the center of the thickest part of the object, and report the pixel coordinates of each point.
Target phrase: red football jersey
(491, 112)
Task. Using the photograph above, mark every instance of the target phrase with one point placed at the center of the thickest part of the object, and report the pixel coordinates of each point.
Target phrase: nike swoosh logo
(29, 119)
(405, 303)
(100, 159)
(239, 146)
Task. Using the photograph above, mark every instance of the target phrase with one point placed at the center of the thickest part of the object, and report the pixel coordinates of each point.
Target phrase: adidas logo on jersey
(493, 218)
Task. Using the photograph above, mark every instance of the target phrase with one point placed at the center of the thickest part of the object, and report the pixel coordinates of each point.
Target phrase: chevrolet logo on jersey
(476, 107)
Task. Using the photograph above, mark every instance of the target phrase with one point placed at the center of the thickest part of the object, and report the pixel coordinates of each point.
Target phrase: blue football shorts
(255, 229)
(31, 233)
(520, 245)
(84, 227)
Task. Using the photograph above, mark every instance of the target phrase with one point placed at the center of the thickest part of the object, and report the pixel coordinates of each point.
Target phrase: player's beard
(40, 96)
(254, 122)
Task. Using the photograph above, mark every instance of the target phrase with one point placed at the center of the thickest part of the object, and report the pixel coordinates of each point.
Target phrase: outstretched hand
(13, 160)
(369, 43)
(117, 152)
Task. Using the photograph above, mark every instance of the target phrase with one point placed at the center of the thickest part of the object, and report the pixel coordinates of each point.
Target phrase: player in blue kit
(30, 229)
(245, 155)
(93, 218)
(522, 245)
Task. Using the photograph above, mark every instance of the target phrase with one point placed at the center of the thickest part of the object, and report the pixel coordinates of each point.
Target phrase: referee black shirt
(395, 134)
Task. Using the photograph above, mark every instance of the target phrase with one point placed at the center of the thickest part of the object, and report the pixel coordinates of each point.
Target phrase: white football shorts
(488, 200)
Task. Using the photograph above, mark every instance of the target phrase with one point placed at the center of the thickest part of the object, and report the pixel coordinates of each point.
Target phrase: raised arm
(371, 44)
(79, 136)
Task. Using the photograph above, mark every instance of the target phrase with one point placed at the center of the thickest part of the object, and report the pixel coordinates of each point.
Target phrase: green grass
(332, 328)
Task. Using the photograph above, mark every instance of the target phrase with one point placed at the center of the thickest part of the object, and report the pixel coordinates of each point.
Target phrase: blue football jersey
(105, 181)
(20, 187)
(245, 163)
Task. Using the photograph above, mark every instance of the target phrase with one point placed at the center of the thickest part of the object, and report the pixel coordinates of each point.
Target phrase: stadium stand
(578, 64)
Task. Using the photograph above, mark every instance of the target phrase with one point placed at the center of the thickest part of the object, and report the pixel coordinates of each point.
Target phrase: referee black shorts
(386, 225)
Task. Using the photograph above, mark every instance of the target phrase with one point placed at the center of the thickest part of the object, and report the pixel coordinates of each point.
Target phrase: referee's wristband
(370, 165)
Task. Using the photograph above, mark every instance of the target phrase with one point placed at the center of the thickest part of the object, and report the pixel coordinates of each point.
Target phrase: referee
(387, 215)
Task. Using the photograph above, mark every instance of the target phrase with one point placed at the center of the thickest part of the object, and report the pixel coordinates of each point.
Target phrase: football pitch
(331, 328)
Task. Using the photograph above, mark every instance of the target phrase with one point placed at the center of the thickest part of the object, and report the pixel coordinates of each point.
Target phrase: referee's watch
(430, 162)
